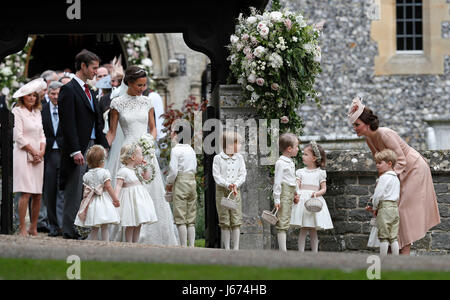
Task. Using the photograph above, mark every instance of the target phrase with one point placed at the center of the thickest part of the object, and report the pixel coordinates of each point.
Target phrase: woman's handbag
(313, 205)
(228, 203)
(270, 216)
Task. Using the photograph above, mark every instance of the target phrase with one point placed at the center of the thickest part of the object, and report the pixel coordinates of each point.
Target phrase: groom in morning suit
(80, 121)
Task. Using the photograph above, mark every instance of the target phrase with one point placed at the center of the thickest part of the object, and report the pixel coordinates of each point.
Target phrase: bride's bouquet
(147, 144)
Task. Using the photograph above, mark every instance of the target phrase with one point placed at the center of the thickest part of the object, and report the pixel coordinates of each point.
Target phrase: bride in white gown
(131, 117)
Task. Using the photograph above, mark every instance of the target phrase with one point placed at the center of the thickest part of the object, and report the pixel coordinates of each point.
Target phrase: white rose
(5, 91)
(250, 88)
(264, 31)
(251, 20)
(234, 39)
(6, 71)
(276, 16)
(251, 78)
(147, 62)
(295, 39)
(259, 51)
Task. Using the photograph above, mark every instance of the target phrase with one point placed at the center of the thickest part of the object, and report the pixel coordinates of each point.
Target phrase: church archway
(57, 52)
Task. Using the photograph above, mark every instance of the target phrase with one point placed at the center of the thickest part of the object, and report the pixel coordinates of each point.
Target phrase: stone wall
(351, 182)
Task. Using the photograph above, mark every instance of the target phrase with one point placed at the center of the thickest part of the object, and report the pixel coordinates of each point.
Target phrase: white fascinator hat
(36, 85)
(355, 110)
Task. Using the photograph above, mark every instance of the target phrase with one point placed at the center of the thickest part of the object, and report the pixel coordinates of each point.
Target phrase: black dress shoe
(43, 229)
(55, 233)
(71, 237)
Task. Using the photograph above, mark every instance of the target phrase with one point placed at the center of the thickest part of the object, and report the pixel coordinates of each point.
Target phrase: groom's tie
(88, 94)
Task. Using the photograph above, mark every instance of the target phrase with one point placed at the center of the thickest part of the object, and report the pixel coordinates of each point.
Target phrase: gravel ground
(43, 247)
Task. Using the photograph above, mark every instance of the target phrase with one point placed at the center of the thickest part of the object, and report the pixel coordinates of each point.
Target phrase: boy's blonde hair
(386, 155)
(230, 135)
(96, 156)
(287, 140)
(127, 151)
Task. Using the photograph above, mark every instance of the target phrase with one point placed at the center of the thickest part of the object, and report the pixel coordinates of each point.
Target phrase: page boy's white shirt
(388, 188)
(182, 160)
(229, 169)
(284, 173)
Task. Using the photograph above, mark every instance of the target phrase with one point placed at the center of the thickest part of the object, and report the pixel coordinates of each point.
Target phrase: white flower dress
(301, 217)
(136, 204)
(101, 209)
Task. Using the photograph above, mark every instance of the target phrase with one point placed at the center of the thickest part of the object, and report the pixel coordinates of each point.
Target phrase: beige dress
(418, 203)
(27, 177)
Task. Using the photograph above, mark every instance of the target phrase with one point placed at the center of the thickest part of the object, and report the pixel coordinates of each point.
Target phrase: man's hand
(78, 159)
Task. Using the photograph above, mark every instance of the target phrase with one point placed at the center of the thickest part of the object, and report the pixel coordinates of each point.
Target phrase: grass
(21, 269)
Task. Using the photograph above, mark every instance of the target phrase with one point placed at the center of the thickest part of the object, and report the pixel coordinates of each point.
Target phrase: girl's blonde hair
(127, 151)
(96, 156)
(319, 154)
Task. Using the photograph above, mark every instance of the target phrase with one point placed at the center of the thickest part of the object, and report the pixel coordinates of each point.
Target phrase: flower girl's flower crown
(355, 110)
(316, 151)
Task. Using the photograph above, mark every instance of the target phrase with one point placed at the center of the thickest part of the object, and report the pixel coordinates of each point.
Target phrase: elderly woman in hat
(29, 149)
(418, 207)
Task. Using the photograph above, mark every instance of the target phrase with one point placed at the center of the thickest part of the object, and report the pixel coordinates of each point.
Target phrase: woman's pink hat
(355, 110)
(36, 85)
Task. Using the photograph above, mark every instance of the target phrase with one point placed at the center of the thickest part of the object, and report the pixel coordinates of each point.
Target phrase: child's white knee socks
(182, 233)
(282, 240)
(235, 238)
(226, 238)
(191, 236)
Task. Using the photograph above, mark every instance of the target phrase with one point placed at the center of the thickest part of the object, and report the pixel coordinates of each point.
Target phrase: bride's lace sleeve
(115, 104)
(148, 101)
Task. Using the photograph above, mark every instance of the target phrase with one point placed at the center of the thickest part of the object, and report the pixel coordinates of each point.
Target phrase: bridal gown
(133, 121)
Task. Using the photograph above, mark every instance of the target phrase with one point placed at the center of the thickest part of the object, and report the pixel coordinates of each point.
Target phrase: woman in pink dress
(29, 149)
(418, 203)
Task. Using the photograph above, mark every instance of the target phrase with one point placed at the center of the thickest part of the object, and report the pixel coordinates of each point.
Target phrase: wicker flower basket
(270, 216)
(313, 205)
(229, 203)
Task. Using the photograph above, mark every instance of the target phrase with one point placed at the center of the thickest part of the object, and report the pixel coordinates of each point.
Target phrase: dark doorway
(57, 52)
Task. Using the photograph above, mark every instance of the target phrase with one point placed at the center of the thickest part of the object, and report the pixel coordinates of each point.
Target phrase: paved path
(43, 247)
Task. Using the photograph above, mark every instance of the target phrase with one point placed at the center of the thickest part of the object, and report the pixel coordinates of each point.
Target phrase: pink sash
(88, 196)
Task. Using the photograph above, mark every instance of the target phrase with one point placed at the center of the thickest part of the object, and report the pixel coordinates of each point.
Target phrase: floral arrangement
(147, 144)
(275, 57)
(12, 71)
(139, 53)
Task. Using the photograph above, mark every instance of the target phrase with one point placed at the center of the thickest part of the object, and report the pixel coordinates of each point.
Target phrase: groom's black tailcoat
(76, 119)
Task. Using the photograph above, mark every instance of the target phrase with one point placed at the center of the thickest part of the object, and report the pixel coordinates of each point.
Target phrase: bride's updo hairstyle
(133, 73)
(368, 118)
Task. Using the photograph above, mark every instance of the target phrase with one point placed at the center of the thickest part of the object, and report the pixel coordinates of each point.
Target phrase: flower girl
(97, 208)
(312, 181)
(136, 204)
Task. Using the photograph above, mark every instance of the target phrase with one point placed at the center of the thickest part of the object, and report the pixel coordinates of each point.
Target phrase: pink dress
(27, 177)
(418, 203)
